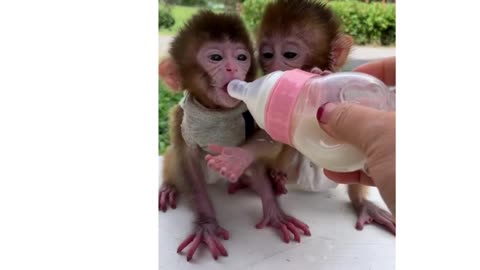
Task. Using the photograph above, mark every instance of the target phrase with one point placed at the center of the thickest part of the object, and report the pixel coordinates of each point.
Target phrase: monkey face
(223, 61)
(277, 53)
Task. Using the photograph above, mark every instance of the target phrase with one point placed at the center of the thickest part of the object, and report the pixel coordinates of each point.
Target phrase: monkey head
(210, 51)
(301, 34)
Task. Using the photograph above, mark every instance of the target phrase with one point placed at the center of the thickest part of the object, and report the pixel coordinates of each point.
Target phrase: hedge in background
(372, 23)
(165, 19)
(167, 100)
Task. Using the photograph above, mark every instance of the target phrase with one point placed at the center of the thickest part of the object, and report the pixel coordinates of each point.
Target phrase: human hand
(371, 131)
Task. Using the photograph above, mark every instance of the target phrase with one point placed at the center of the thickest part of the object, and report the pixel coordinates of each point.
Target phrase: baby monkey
(210, 51)
(306, 35)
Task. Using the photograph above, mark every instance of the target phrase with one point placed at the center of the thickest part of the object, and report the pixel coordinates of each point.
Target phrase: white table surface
(334, 244)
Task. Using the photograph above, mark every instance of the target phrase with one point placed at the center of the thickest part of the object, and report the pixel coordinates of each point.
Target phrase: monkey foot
(229, 162)
(167, 196)
(208, 233)
(285, 224)
(279, 181)
(318, 71)
(368, 212)
(234, 187)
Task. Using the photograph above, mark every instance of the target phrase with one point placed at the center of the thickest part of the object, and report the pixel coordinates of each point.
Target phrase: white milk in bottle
(285, 104)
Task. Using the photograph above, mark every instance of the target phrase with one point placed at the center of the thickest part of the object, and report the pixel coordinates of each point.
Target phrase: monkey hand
(320, 72)
(167, 195)
(274, 217)
(279, 180)
(229, 162)
(368, 212)
(208, 231)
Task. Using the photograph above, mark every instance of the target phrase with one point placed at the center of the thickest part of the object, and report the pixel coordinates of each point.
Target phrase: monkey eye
(242, 57)
(268, 55)
(216, 57)
(289, 55)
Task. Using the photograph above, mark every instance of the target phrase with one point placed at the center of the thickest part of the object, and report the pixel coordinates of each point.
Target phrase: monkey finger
(286, 237)
(302, 226)
(193, 248)
(387, 222)
(220, 247)
(223, 172)
(316, 70)
(262, 223)
(172, 198)
(163, 201)
(221, 232)
(185, 243)
(212, 163)
(212, 246)
(294, 230)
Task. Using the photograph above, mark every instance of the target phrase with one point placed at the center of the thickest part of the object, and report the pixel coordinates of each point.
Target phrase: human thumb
(350, 123)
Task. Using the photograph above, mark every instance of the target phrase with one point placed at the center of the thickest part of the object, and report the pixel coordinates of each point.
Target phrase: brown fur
(202, 27)
(182, 72)
(310, 21)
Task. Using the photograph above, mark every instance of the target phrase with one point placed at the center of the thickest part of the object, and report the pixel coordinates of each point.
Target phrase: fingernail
(324, 111)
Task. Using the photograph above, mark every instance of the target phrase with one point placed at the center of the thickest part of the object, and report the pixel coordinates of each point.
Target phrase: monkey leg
(367, 211)
(207, 229)
(279, 181)
(273, 215)
(282, 170)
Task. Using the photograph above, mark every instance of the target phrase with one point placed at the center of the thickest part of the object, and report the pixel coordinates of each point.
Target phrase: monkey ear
(340, 49)
(168, 71)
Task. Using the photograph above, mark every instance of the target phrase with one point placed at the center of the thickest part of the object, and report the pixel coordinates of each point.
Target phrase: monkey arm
(231, 162)
(262, 146)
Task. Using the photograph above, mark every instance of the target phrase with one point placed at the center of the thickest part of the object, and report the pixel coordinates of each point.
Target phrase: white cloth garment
(312, 178)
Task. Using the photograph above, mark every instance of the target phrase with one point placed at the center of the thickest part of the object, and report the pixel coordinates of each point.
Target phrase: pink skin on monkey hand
(207, 232)
(368, 213)
(229, 162)
(167, 195)
(274, 217)
(320, 72)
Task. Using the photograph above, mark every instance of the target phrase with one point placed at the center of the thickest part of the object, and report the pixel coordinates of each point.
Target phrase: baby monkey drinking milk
(210, 51)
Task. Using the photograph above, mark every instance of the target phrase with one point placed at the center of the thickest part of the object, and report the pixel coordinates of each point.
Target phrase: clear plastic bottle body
(312, 141)
(285, 104)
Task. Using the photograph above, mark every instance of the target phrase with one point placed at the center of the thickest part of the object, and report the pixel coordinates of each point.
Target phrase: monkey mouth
(224, 87)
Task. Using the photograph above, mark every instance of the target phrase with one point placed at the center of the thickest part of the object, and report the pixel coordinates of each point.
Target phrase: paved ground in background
(358, 55)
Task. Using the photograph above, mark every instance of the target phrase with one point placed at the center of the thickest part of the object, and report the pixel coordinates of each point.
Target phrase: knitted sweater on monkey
(202, 126)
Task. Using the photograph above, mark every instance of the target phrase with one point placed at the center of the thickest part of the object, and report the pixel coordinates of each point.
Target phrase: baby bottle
(285, 103)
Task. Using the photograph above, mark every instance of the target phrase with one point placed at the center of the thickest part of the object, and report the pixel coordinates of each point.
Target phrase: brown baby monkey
(306, 35)
(210, 51)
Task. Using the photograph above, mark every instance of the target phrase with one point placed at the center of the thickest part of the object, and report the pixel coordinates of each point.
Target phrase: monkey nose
(230, 69)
